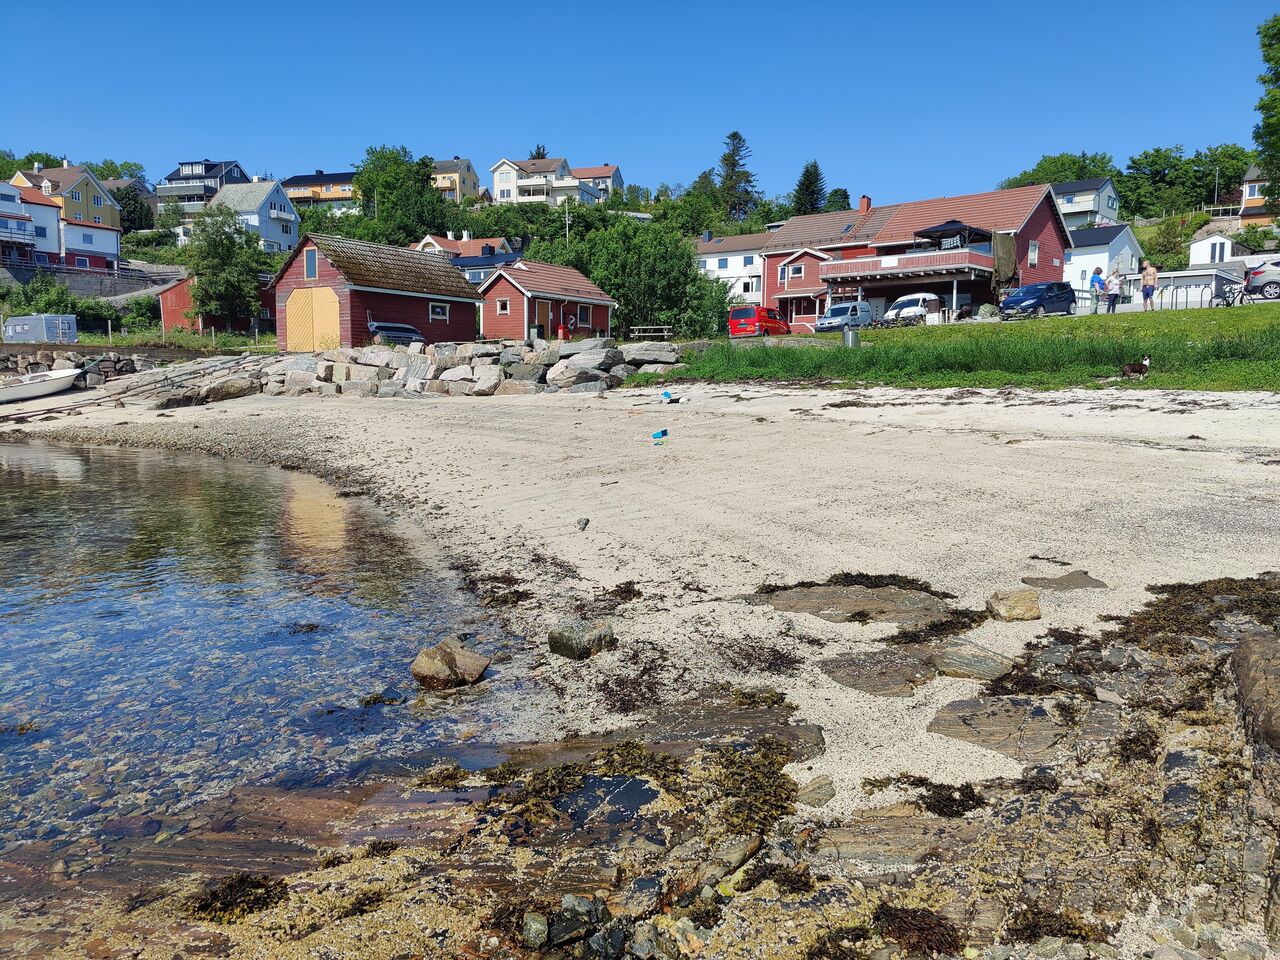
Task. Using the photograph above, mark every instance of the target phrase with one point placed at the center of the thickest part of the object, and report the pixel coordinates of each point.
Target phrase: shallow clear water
(172, 626)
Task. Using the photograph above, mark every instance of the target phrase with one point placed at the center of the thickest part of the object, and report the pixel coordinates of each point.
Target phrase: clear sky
(897, 100)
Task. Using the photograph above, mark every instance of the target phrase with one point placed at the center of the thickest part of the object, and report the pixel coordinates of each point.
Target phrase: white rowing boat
(37, 385)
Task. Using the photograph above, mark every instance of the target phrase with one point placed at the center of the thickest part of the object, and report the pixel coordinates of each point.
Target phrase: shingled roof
(996, 210)
(823, 229)
(736, 244)
(550, 280)
(391, 268)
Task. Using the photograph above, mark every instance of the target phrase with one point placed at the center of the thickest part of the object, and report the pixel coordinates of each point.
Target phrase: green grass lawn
(1225, 349)
(180, 339)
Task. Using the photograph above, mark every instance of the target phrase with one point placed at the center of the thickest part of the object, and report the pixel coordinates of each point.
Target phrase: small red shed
(528, 298)
(176, 304)
(331, 289)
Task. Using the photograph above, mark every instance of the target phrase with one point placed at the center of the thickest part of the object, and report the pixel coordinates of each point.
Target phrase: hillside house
(262, 207)
(333, 191)
(1111, 248)
(330, 289)
(88, 216)
(736, 262)
(1253, 205)
(195, 182)
(606, 178)
(956, 247)
(549, 182)
(456, 179)
(1088, 203)
(532, 299)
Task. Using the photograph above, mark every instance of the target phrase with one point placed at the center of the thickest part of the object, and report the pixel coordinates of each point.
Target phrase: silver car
(1263, 280)
(845, 316)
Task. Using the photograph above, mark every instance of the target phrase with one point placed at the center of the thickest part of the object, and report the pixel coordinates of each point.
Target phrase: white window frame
(97, 200)
(504, 306)
(586, 322)
(75, 196)
(97, 219)
(310, 264)
(1253, 190)
(87, 238)
(1033, 253)
(82, 263)
(434, 310)
(795, 271)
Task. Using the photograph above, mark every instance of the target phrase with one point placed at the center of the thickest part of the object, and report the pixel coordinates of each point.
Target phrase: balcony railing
(935, 261)
(185, 190)
(10, 235)
(281, 215)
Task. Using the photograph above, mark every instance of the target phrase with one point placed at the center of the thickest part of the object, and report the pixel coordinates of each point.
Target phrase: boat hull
(35, 385)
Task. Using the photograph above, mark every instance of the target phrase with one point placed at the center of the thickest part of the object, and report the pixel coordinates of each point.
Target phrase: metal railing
(906, 263)
(17, 236)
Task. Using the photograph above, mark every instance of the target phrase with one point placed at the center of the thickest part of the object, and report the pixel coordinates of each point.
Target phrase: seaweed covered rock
(579, 639)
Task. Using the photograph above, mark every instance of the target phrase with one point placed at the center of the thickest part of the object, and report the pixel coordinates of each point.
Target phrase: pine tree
(837, 199)
(810, 194)
(539, 152)
(1267, 132)
(737, 183)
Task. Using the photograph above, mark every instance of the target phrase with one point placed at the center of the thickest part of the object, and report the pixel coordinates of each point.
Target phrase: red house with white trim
(331, 288)
(531, 299)
(881, 253)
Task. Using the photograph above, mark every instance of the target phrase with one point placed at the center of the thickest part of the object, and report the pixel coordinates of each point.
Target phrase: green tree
(539, 152)
(1218, 173)
(1063, 167)
(810, 194)
(113, 170)
(1157, 182)
(224, 259)
(838, 199)
(737, 184)
(1255, 236)
(10, 163)
(135, 212)
(1266, 134)
(399, 201)
(170, 216)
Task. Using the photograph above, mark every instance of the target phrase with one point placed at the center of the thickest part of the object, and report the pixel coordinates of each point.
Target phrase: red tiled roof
(589, 173)
(994, 210)
(549, 165)
(33, 195)
(464, 248)
(552, 280)
(90, 223)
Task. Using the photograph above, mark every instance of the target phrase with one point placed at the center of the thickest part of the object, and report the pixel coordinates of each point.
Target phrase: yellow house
(76, 190)
(1252, 203)
(334, 190)
(456, 178)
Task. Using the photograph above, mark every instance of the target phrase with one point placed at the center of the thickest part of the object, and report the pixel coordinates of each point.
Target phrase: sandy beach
(968, 490)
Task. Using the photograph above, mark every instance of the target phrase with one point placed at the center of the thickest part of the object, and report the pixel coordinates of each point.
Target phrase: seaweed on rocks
(758, 794)
(954, 623)
(940, 799)
(1191, 609)
(917, 929)
(380, 848)
(840, 943)
(447, 776)
(753, 697)
(235, 897)
(631, 758)
(1138, 745)
(504, 774)
(871, 581)
(1031, 923)
(786, 877)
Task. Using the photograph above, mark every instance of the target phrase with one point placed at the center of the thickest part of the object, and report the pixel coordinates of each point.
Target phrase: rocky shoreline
(1110, 786)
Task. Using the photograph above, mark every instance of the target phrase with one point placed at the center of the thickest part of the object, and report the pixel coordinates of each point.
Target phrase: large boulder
(642, 353)
(360, 371)
(511, 355)
(527, 371)
(421, 368)
(656, 368)
(961, 658)
(514, 388)
(592, 386)
(623, 370)
(377, 356)
(546, 356)
(487, 381)
(1011, 605)
(574, 347)
(578, 639)
(447, 665)
(359, 388)
(462, 372)
(485, 350)
(565, 374)
(233, 388)
(596, 359)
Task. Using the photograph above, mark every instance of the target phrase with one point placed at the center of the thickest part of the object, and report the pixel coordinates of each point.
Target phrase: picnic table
(651, 333)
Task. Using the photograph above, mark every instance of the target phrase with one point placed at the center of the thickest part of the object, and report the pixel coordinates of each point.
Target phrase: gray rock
(299, 378)
(960, 658)
(511, 355)
(487, 381)
(448, 664)
(232, 388)
(327, 389)
(64, 364)
(390, 388)
(357, 388)
(515, 388)
(817, 792)
(527, 371)
(642, 353)
(484, 362)
(575, 347)
(417, 347)
(623, 370)
(422, 368)
(655, 368)
(546, 357)
(595, 359)
(462, 372)
(485, 350)
(1104, 695)
(359, 371)
(324, 371)
(535, 929)
(564, 375)
(460, 388)
(578, 640)
(377, 356)
(1075, 580)
(591, 386)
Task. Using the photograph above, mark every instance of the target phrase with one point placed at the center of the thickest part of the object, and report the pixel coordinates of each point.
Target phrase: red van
(756, 322)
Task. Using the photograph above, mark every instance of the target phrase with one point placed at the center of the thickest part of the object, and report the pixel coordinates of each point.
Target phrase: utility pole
(567, 219)
(1215, 186)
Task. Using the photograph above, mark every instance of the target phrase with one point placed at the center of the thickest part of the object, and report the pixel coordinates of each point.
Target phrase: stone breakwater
(468, 369)
(108, 366)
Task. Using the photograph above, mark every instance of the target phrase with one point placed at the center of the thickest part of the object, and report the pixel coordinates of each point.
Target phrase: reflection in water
(174, 626)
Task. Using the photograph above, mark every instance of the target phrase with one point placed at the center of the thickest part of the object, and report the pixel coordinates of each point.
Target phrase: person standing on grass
(1150, 280)
(1097, 287)
(1113, 290)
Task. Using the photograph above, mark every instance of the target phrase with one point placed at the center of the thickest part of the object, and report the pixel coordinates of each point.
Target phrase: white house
(549, 182)
(1086, 203)
(263, 208)
(735, 261)
(1110, 248)
(606, 178)
(30, 225)
(1217, 248)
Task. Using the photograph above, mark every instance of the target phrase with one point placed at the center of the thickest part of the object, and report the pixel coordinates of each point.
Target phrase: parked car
(912, 309)
(756, 322)
(1037, 299)
(1263, 281)
(395, 333)
(845, 316)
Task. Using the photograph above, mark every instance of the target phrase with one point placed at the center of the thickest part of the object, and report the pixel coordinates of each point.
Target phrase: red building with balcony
(959, 248)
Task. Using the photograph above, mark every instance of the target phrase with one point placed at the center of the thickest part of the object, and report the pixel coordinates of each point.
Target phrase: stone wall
(109, 365)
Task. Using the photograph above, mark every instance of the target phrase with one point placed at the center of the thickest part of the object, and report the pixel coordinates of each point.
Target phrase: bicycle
(1232, 295)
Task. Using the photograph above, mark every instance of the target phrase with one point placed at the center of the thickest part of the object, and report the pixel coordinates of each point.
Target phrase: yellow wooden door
(326, 333)
(299, 318)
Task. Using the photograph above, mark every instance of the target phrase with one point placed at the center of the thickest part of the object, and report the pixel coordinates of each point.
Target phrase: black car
(395, 334)
(1037, 299)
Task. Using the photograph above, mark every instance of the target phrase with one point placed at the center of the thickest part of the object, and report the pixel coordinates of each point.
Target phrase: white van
(912, 309)
(845, 316)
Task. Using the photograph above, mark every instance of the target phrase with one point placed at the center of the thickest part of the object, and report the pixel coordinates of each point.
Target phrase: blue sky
(897, 100)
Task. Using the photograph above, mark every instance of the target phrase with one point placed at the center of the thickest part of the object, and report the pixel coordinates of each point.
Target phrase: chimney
(39, 167)
(864, 204)
(456, 157)
(319, 172)
(448, 234)
(706, 236)
(65, 163)
(466, 234)
(256, 178)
